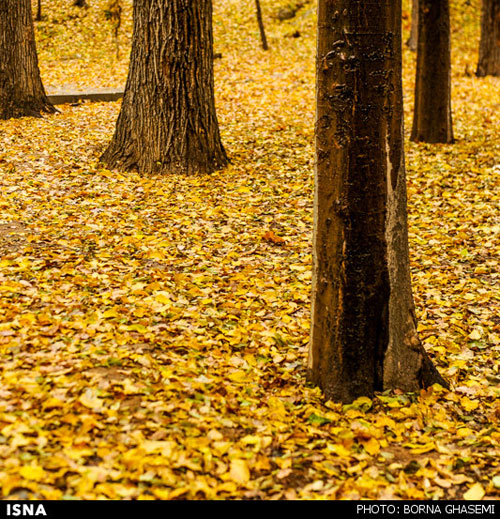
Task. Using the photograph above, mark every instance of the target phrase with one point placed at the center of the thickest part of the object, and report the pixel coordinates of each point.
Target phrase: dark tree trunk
(80, 3)
(363, 336)
(489, 46)
(21, 89)
(262, 29)
(413, 39)
(432, 117)
(167, 122)
(39, 11)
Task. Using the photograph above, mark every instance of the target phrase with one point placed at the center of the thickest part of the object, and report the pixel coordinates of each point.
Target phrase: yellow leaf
(162, 493)
(9, 483)
(371, 446)
(178, 492)
(110, 313)
(420, 449)
(162, 297)
(163, 447)
(239, 471)
(475, 335)
(250, 440)
(227, 486)
(339, 450)
(139, 312)
(475, 493)
(32, 472)
(237, 376)
(463, 432)
(129, 388)
(386, 421)
(91, 400)
(469, 405)
(52, 403)
(363, 402)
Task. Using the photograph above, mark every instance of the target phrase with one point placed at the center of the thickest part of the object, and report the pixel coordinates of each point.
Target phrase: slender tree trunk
(39, 11)
(432, 120)
(114, 15)
(167, 122)
(260, 21)
(21, 89)
(489, 46)
(363, 335)
(413, 39)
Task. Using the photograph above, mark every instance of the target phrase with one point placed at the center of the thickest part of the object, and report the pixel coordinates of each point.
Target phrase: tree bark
(262, 29)
(363, 334)
(489, 46)
(432, 121)
(39, 11)
(413, 39)
(21, 89)
(168, 122)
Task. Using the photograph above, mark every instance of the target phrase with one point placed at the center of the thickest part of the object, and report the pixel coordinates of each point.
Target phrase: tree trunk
(21, 89)
(167, 122)
(363, 335)
(413, 39)
(80, 3)
(489, 46)
(39, 11)
(260, 21)
(432, 120)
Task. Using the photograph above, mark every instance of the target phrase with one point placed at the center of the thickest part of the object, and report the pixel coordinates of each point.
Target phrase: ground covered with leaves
(153, 330)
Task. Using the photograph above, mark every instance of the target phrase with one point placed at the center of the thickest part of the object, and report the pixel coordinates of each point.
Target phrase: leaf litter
(153, 330)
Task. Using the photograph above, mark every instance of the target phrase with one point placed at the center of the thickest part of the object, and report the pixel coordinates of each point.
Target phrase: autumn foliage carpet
(153, 330)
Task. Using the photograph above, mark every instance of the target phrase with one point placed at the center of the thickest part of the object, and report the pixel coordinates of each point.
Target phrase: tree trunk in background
(80, 3)
(39, 11)
(260, 21)
(432, 120)
(413, 39)
(363, 335)
(489, 46)
(21, 89)
(167, 122)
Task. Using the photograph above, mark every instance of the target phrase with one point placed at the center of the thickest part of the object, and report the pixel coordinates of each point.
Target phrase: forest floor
(154, 330)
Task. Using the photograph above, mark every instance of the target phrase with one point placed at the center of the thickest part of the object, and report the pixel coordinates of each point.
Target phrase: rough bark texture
(489, 46)
(167, 122)
(432, 120)
(21, 89)
(413, 39)
(363, 335)
(260, 21)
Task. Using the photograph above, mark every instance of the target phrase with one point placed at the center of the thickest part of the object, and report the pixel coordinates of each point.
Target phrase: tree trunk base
(409, 373)
(122, 156)
(168, 123)
(21, 89)
(27, 109)
(483, 72)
